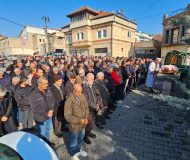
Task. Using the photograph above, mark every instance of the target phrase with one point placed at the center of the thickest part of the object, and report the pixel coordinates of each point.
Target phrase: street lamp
(46, 21)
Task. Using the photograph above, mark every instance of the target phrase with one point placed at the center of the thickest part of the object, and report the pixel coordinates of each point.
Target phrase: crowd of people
(66, 94)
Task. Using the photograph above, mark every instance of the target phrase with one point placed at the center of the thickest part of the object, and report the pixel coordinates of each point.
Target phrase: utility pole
(46, 21)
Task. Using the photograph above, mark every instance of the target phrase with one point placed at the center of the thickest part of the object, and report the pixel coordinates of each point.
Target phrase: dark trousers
(57, 125)
(8, 126)
(27, 120)
(101, 116)
(90, 124)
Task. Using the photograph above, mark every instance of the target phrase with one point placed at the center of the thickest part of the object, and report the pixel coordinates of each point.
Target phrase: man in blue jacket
(42, 103)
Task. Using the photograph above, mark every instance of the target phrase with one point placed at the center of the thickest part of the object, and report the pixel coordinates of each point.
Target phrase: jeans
(75, 141)
(27, 120)
(45, 128)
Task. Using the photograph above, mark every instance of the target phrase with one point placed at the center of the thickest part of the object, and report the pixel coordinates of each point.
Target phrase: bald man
(76, 113)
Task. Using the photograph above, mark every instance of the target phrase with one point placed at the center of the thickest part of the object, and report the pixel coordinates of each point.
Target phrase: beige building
(149, 48)
(31, 40)
(98, 33)
(173, 34)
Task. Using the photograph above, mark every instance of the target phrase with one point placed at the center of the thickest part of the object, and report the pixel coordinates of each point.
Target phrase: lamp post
(46, 21)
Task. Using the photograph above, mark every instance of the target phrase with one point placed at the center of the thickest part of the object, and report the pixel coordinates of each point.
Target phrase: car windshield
(7, 153)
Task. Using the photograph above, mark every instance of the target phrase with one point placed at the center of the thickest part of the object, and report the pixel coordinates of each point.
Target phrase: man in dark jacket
(42, 103)
(58, 92)
(69, 84)
(101, 86)
(12, 90)
(5, 79)
(94, 103)
(39, 73)
(22, 98)
(7, 123)
(76, 113)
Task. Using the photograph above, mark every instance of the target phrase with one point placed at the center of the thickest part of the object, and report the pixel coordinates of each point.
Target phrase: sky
(30, 12)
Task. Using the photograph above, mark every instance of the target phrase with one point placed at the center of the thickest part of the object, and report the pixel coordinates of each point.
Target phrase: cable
(12, 21)
(150, 7)
(158, 14)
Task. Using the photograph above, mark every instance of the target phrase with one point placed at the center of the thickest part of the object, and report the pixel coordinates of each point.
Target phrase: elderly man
(94, 103)
(102, 114)
(42, 103)
(76, 112)
(59, 94)
(81, 78)
(153, 69)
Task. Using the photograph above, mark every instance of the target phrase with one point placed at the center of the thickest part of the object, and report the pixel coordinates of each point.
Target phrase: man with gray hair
(104, 92)
(94, 103)
(42, 103)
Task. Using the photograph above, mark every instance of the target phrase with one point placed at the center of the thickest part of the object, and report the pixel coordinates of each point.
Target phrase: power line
(12, 21)
(150, 7)
(158, 14)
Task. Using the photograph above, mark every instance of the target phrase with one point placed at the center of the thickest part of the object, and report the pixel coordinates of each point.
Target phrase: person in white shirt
(153, 69)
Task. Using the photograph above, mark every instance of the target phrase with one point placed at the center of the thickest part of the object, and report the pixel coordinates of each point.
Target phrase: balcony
(176, 39)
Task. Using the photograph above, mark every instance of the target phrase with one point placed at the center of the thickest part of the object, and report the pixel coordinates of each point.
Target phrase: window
(167, 36)
(129, 34)
(43, 40)
(104, 33)
(60, 37)
(101, 50)
(99, 34)
(40, 40)
(183, 31)
(8, 153)
(82, 35)
(79, 36)
(121, 49)
(68, 39)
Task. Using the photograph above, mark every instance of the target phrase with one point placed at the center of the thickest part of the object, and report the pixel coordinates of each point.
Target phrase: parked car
(25, 146)
(55, 54)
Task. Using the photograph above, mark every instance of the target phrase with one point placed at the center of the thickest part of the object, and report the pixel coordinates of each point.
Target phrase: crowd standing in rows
(66, 94)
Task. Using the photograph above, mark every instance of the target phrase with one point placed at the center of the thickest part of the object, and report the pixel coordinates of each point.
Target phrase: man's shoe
(82, 153)
(100, 126)
(108, 117)
(75, 157)
(92, 135)
(86, 140)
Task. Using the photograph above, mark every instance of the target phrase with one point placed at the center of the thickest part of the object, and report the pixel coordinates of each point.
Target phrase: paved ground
(140, 129)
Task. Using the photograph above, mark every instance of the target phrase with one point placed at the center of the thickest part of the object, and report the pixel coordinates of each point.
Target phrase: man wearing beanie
(58, 92)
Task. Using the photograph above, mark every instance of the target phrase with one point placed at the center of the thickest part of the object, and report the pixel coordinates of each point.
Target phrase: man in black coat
(101, 86)
(42, 103)
(94, 103)
(7, 123)
(69, 84)
(22, 98)
(58, 92)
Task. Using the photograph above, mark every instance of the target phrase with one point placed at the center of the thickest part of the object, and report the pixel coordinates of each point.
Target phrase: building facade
(176, 33)
(99, 33)
(31, 40)
(149, 49)
(142, 37)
